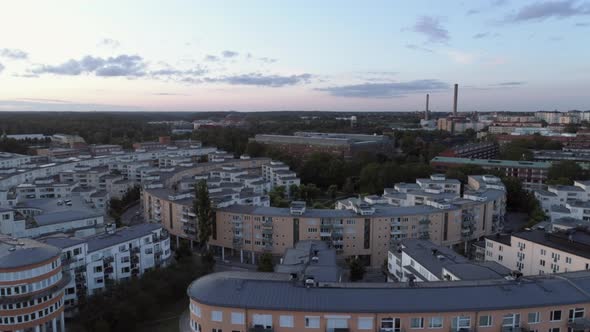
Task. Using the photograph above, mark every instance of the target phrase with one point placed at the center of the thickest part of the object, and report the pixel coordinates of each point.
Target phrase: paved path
(131, 216)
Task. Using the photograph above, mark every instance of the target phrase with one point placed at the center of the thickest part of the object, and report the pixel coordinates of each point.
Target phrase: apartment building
(483, 150)
(32, 285)
(559, 195)
(540, 252)
(418, 260)
(532, 174)
(13, 160)
(92, 263)
(251, 301)
(232, 181)
(279, 174)
(346, 145)
(104, 149)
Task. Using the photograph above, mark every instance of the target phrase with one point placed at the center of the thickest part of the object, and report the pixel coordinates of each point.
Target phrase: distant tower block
(426, 112)
(455, 100)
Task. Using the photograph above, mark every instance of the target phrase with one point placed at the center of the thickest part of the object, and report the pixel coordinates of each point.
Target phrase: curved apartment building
(31, 286)
(275, 302)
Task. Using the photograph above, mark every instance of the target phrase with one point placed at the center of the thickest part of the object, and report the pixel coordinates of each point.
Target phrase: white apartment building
(566, 201)
(13, 160)
(539, 252)
(279, 174)
(115, 255)
(421, 261)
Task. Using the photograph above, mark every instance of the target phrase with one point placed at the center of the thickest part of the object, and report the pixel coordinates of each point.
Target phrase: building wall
(201, 317)
(532, 258)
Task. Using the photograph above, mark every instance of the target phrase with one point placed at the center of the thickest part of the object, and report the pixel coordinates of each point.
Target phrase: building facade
(32, 286)
(248, 301)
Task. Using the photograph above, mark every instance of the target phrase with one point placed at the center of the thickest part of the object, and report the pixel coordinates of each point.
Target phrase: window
(555, 315)
(417, 323)
(391, 324)
(568, 260)
(575, 314)
(485, 321)
(365, 323)
(533, 318)
(312, 322)
(511, 320)
(461, 322)
(262, 320)
(98, 269)
(237, 318)
(216, 316)
(286, 321)
(436, 322)
(555, 329)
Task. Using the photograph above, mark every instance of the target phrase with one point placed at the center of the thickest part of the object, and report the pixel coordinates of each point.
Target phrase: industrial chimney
(455, 100)
(426, 113)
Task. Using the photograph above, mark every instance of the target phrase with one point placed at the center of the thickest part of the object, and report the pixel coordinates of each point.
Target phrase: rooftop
(492, 162)
(274, 291)
(105, 240)
(25, 252)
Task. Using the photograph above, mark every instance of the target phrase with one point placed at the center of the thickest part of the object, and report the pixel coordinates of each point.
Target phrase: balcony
(267, 231)
(579, 324)
(424, 222)
(135, 250)
(513, 329)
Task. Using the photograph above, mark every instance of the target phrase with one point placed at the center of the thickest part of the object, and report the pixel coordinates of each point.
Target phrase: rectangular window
(312, 322)
(575, 314)
(237, 318)
(417, 323)
(555, 315)
(436, 322)
(511, 320)
(216, 316)
(555, 329)
(461, 322)
(262, 320)
(365, 323)
(485, 321)
(286, 321)
(533, 318)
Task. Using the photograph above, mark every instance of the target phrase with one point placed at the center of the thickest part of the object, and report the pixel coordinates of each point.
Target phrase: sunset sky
(506, 55)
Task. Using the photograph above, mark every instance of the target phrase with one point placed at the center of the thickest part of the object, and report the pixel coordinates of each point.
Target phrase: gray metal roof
(64, 216)
(26, 252)
(98, 242)
(299, 260)
(62, 241)
(274, 291)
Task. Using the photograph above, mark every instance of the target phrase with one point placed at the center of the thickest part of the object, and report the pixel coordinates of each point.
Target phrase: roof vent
(12, 249)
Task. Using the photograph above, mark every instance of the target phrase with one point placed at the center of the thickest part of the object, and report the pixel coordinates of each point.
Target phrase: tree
(204, 212)
(332, 190)
(277, 196)
(265, 263)
(294, 193)
(357, 269)
(567, 169)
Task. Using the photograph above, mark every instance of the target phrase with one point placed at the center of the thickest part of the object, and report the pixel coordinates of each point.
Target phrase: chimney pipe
(426, 113)
(455, 100)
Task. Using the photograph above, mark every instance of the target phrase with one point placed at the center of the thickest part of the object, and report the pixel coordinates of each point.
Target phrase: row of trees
(123, 306)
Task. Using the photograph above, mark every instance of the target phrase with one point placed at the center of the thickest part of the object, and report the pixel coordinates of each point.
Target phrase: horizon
(263, 56)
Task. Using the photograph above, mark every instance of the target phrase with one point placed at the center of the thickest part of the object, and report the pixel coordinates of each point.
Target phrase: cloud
(45, 100)
(212, 58)
(108, 42)
(258, 79)
(461, 56)
(481, 35)
(582, 24)
(419, 48)
(168, 94)
(267, 60)
(512, 83)
(386, 90)
(1, 68)
(171, 72)
(549, 9)
(431, 27)
(13, 54)
(229, 54)
(122, 65)
(473, 11)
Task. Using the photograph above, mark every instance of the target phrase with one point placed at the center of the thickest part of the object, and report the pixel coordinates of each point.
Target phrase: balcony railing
(260, 329)
(579, 324)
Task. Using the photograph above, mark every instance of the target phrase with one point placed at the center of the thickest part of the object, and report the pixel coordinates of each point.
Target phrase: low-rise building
(541, 251)
(532, 174)
(421, 260)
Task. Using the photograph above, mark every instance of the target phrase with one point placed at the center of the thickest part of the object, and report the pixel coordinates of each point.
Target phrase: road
(132, 216)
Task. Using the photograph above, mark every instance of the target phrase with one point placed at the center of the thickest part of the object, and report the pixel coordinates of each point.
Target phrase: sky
(174, 55)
